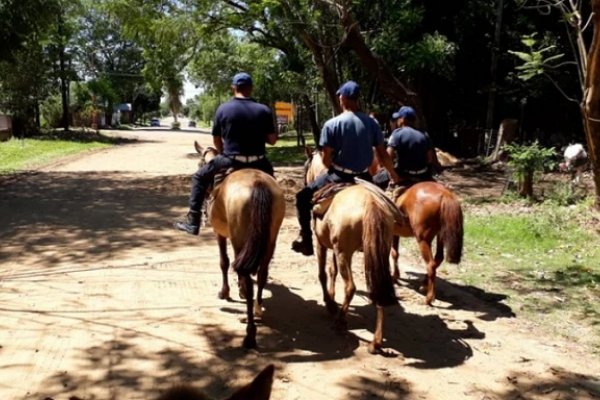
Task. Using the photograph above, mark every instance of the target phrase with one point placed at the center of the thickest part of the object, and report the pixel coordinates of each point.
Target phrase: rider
(347, 143)
(241, 128)
(415, 155)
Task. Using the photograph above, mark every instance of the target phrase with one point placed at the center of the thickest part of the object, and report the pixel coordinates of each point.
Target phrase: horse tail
(377, 241)
(451, 230)
(254, 250)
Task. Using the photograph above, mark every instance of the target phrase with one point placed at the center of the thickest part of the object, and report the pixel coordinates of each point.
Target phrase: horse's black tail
(377, 242)
(255, 249)
(451, 230)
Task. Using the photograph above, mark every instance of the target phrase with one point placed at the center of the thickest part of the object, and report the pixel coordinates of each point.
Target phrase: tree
(586, 61)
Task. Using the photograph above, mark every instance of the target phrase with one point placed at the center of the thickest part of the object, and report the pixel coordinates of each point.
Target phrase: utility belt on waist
(245, 159)
(415, 172)
(347, 171)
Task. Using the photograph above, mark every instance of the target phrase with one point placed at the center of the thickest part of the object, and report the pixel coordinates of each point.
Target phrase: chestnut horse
(433, 211)
(429, 210)
(248, 208)
(356, 219)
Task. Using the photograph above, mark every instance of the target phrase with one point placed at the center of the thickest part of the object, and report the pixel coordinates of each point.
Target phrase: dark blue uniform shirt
(244, 125)
(411, 148)
(352, 136)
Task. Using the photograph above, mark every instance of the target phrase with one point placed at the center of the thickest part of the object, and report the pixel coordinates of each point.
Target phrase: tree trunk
(591, 101)
(391, 87)
(312, 118)
(489, 120)
(526, 184)
(64, 84)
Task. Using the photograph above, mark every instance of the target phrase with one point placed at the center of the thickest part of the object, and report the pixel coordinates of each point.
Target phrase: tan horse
(355, 220)
(258, 389)
(248, 209)
(433, 211)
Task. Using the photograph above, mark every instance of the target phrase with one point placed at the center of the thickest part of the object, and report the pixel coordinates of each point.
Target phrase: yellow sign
(284, 112)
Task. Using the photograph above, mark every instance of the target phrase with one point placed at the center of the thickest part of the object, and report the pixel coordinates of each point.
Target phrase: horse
(429, 210)
(247, 208)
(432, 211)
(258, 389)
(357, 218)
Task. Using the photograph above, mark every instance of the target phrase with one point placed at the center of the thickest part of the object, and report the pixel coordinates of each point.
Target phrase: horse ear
(259, 388)
(308, 151)
(198, 148)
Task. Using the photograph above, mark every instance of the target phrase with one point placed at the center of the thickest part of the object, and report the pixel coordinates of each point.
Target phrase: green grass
(545, 258)
(22, 154)
(286, 152)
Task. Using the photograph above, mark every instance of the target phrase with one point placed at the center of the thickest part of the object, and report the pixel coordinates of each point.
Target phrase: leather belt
(246, 159)
(419, 172)
(348, 171)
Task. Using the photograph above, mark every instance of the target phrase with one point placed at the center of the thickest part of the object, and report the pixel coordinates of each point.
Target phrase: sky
(189, 91)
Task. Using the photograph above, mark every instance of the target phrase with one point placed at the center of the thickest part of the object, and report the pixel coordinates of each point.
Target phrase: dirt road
(101, 299)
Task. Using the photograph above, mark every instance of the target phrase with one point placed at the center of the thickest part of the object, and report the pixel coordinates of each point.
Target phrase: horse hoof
(374, 348)
(224, 295)
(332, 308)
(249, 343)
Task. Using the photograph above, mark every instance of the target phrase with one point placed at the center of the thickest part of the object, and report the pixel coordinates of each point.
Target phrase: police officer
(241, 128)
(347, 143)
(415, 155)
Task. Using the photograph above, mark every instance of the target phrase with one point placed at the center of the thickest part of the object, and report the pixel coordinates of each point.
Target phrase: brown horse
(248, 208)
(258, 389)
(432, 211)
(356, 219)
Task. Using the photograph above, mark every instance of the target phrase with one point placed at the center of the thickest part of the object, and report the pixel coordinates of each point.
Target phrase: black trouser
(304, 196)
(204, 176)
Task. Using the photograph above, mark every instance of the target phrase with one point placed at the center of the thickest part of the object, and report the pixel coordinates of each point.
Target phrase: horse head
(258, 389)
(313, 166)
(206, 153)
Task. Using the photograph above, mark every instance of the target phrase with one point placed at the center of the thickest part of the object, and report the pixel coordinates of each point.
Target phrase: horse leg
(261, 281)
(250, 339)
(429, 280)
(332, 271)
(395, 254)
(222, 242)
(375, 345)
(322, 261)
(345, 267)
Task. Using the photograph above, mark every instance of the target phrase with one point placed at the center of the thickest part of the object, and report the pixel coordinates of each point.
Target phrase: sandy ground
(101, 299)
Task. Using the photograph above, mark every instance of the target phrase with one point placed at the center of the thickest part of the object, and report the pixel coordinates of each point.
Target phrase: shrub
(528, 162)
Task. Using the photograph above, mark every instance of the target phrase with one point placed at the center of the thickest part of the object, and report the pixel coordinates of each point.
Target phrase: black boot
(191, 225)
(304, 244)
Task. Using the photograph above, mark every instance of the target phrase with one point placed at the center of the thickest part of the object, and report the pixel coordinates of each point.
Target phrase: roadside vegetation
(33, 152)
(542, 260)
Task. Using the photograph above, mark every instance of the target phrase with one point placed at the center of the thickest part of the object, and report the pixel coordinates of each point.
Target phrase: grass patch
(286, 151)
(546, 258)
(28, 153)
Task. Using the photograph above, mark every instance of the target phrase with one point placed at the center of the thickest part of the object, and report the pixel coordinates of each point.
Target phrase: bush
(528, 162)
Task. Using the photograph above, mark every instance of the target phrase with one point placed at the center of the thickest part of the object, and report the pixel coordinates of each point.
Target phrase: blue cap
(405, 112)
(242, 79)
(349, 89)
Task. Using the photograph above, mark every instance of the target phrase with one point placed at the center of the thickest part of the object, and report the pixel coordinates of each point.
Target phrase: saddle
(323, 197)
(213, 191)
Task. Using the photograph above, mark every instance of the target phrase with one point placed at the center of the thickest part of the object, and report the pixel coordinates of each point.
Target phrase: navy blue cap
(405, 112)
(349, 89)
(242, 79)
